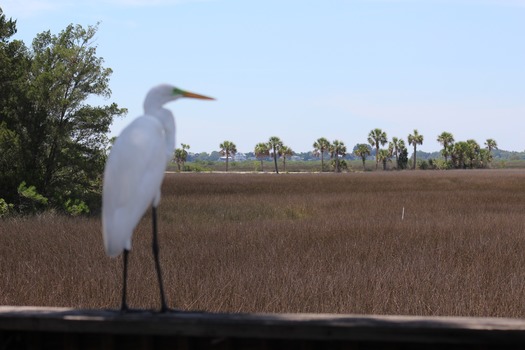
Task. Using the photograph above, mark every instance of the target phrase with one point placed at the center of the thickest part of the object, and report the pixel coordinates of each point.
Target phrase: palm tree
(459, 154)
(491, 144)
(284, 152)
(402, 161)
(415, 139)
(228, 149)
(446, 139)
(321, 146)
(472, 151)
(384, 156)
(274, 145)
(483, 156)
(181, 155)
(262, 151)
(377, 138)
(337, 150)
(394, 148)
(362, 150)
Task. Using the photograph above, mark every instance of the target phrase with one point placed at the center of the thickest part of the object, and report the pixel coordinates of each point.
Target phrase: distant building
(239, 157)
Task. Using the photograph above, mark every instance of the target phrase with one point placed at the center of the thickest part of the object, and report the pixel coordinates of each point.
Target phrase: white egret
(133, 177)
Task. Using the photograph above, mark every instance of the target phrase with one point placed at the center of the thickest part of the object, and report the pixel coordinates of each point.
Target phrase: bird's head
(164, 93)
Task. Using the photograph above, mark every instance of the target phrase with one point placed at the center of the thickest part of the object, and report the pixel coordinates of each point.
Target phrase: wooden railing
(63, 328)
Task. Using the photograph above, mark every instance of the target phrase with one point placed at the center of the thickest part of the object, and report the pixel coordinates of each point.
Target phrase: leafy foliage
(396, 147)
(228, 149)
(275, 144)
(341, 165)
(362, 150)
(402, 162)
(49, 136)
(76, 207)
(414, 140)
(285, 152)
(447, 140)
(5, 207)
(261, 151)
(181, 155)
(321, 146)
(377, 138)
(30, 199)
(337, 151)
(384, 156)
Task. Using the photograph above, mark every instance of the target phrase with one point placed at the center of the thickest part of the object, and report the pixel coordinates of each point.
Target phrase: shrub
(196, 167)
(76, 207)
(30, 199)
(5, 208)
(422, 164)
(439, 164)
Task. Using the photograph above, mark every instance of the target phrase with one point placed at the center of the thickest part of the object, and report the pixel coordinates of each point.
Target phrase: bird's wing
(132, 180)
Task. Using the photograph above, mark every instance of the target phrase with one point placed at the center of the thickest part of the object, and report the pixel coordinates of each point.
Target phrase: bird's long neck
(165, 117)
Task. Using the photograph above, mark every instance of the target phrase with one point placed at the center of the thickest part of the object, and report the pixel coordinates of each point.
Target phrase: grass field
(333, 243)
(313, 165)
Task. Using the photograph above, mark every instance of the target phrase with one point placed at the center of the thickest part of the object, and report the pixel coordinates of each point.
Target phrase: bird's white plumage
(135, 169)
(133, 176)
(132, 180)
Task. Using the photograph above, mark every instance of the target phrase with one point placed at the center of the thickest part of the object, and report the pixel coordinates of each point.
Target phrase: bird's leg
(124, 306)
(164, 307)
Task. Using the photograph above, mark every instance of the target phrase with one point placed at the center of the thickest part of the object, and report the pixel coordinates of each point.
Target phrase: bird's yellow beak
(191, 94)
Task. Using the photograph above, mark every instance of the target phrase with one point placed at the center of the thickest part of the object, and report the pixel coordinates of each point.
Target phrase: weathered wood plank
(314, 327)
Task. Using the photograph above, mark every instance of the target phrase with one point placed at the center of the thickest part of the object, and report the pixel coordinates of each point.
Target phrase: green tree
(62, 140)
(491, 144)
(30, 200)
(10, 150)
(343, 165)
(5, 208)
(262, 151)
(228, 149)
(362, 150)
(472, 152)
(402, 162)
(15, 63)
(181, 155)
(321, 146)
(7, 28)
(384, 157)
(414, 140)
(214, 156)
(337, 151)
(377, 138)
(446, 139)
(274, 145)
(483, 157)
(394, 147)
(284, 152)
(459, 154)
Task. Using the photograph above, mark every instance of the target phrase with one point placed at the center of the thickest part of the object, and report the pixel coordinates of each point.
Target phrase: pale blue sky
(302, 70)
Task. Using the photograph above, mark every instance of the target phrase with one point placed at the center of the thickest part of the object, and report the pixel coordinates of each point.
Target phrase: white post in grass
(403, 214)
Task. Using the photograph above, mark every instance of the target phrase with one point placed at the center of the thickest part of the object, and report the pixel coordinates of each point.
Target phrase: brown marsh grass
(324, 243)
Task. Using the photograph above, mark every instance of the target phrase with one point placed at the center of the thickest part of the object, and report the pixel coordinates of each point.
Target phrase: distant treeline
(306, 156)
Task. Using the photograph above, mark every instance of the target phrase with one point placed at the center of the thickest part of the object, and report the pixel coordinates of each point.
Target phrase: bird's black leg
(124, 306)
(164, 306)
